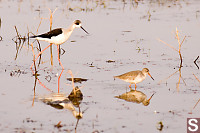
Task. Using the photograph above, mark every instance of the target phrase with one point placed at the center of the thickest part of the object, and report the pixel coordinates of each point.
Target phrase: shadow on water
(70, 102)
(135, 97)
(62, 101)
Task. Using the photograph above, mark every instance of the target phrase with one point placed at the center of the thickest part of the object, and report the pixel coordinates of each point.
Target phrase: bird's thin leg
(59, 80)
(135, 86)
(130, 86)
(62, 69)
(39, 55)
(59, 56)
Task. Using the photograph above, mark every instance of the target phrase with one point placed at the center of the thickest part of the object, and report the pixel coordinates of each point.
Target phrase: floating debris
(126, 31)
(79, 80)
(110, 61)
(91, 64)
(48, 78)
(58, 125)
(17, 72)
(160, 126)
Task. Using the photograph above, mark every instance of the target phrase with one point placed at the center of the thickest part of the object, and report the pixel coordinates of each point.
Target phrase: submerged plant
(180, 56)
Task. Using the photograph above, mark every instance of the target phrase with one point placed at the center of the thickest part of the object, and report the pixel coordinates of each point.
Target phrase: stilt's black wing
(50, 34)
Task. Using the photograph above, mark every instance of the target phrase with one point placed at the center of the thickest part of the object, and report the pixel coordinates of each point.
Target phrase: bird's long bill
(84, 30)
(150, 76)
(151, 97)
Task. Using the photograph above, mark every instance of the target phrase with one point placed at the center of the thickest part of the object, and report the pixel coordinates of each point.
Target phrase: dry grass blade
(19, 41)
(183, 81)
(167, 77)
(40, 23)
(34, 59)
(33, 99)
(51, 22)
(177, 36)
(72, 78)
(168, 45)
(180, 56)
(183, 40)
(50, 19)
(196, 103)
(196, 78)
(179, 80)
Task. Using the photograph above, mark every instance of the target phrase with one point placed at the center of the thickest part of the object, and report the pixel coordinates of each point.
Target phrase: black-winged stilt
(57, 36)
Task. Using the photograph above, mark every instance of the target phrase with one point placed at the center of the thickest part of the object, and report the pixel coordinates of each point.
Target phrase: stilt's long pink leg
(61, 71)
(40, 54)
(59, 80)
(36, 75)
(59, 58)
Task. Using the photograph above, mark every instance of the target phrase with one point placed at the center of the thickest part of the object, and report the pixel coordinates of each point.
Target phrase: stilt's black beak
(84, 30)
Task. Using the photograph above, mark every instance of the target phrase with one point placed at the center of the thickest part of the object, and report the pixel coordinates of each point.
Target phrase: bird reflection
(61, 101)
(76, 98)
(136, 97)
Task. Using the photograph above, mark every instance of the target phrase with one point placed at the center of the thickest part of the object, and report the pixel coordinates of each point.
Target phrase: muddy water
(126, 33)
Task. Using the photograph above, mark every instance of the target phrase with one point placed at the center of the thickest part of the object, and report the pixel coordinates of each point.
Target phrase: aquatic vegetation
(177, 34)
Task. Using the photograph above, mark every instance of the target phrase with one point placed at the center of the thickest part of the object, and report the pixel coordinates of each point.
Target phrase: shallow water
(117, 32)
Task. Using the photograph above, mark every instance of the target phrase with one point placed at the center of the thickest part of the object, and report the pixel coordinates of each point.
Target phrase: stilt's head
(146, 71)
(77, 24)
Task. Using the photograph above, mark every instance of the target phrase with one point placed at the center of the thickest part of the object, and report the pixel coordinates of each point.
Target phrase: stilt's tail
(33, 36)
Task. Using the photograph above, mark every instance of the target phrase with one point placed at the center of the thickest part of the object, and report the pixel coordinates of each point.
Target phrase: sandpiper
(134, 77)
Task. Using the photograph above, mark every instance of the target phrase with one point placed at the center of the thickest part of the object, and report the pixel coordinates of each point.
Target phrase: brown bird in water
(134, 77)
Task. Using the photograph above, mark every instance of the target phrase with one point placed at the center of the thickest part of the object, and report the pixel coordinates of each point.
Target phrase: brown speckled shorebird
(134, 77)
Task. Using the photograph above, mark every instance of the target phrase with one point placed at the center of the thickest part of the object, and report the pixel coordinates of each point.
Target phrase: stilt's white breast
(60, 39)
